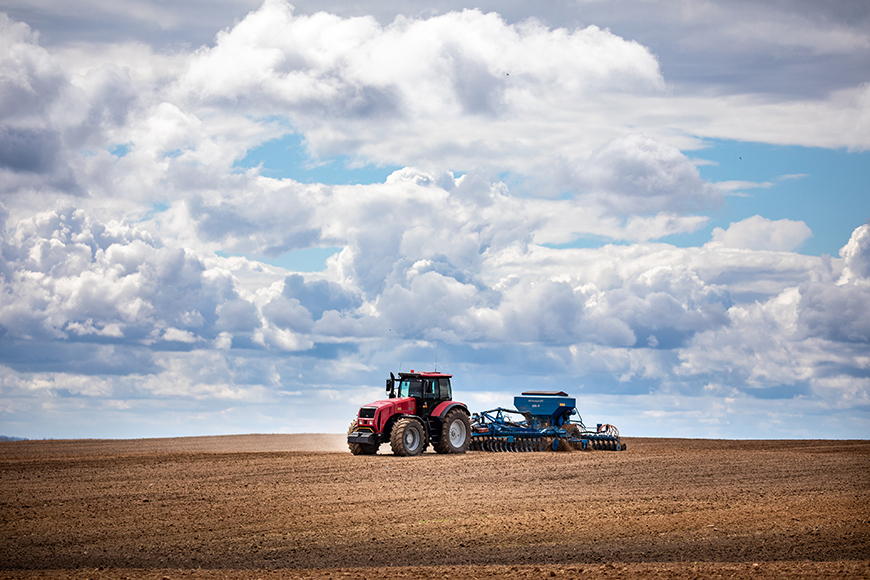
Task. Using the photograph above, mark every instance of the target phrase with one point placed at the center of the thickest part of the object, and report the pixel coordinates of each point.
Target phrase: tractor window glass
(445, 388)
(430, 387)
(410, 389)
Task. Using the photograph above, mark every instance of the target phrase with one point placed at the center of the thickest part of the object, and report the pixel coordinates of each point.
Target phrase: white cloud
(178, 335)
(68, 276)
(737, 186)
(857, 254)
(637, 175)
(839, 119)
(31, 84)
(754, 349)
(839, 313)
(814, 334)
(758, 233)
(462, 83)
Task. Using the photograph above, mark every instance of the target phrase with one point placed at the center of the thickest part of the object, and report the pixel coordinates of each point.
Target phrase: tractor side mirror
(389, 385)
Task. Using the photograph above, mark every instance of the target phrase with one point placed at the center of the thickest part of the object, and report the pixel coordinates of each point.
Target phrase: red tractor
(420, 411)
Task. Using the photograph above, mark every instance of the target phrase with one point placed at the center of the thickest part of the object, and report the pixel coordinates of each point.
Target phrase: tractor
(420, 411)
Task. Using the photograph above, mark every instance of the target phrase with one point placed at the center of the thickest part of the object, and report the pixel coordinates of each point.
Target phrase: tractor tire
(408, 437)
(455, 433)
(360, 448)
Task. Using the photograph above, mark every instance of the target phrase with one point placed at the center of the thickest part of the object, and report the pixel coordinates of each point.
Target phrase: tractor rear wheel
(455, 433)
(408, 437)
(360, 448)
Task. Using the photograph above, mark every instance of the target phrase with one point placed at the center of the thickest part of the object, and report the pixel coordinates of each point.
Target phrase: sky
(229, 216)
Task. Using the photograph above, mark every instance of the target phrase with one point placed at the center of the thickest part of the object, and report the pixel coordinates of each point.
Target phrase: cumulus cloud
(117, 283)
(758, 233)
(857, 254)
(46, 119)
(31, 84)
(811, 338)
(839, 312)
(638, 175)
(458, 83)
(67, 277)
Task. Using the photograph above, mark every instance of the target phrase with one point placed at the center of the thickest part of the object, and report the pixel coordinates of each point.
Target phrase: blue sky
(288, 158)
(240, 216)
(825, 188)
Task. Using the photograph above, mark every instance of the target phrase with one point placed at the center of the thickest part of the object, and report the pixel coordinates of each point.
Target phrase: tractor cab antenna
(436, 363)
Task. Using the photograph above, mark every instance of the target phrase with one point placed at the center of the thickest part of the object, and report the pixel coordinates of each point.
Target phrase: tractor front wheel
(455, 433)
(408, 437)
(360, 448)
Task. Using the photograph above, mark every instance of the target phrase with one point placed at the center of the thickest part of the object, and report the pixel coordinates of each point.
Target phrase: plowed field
(296, 506)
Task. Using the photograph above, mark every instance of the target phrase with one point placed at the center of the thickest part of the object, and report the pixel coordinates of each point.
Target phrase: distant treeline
(5, 438)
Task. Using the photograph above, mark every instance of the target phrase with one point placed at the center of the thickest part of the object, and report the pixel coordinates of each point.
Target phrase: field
(300, 506)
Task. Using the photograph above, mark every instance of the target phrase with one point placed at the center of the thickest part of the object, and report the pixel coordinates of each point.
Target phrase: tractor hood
(387, 402)
(374, 415)
(402, 404)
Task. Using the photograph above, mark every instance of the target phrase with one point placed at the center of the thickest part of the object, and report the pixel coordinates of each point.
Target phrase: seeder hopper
(542, 421)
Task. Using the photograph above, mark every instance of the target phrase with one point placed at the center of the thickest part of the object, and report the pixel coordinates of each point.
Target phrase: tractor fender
(445, 407)
(387, 427)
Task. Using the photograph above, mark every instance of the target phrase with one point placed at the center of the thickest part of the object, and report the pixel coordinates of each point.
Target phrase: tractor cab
(427, 389)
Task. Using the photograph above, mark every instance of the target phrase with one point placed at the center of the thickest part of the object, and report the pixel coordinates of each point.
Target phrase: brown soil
(293, 506)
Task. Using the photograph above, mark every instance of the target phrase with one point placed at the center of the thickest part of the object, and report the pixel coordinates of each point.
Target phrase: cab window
(410, 388)
(444, 389)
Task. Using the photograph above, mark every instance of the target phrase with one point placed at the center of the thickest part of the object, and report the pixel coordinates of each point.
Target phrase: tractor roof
(428, 375)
